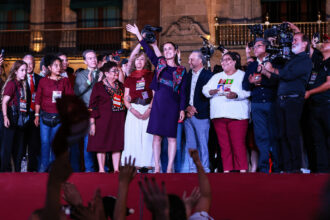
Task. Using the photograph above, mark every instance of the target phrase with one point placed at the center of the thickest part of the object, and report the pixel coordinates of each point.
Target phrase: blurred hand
(6, 122)
(191, 110)
(36, 121)
(191, 201)
(213, 91)
(307, 94)
(253, 80)
(293, 27)
(92, 129)
(194, 155)
(90, 76)
(128, 171)
(146, 114)
(155, 198)
(133, 29)
(231, 95)
(181, 117)
(100, 76)
(71, 194)
(60, 169)
(136, 113)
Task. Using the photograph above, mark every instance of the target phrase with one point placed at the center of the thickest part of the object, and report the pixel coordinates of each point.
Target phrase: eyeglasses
(115, 71)
(226, 60)
(257, 46)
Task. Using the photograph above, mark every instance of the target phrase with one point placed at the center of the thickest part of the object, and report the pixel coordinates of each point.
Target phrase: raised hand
(134, 30)
(192, 200)
(128, 171)
(71, 194)
(155, 198)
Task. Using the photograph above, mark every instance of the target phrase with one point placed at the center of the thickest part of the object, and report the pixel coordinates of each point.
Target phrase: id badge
(56, 95)
(145, 95)
(140, 84)
(312, 78)
(33, 97)
(116, 101)
(22, 105)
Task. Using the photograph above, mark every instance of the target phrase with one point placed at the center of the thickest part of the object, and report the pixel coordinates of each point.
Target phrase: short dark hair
(263, 40)
(61, 54)
(107, 66)
(86, 52)
(235, 57)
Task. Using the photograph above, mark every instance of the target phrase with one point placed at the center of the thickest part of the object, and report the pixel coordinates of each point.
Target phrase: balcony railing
(71, 41)
(238, 35)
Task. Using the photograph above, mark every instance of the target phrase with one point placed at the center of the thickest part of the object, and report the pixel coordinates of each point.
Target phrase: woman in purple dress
(169, 99)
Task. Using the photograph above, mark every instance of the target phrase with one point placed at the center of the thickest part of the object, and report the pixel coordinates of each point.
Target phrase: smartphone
(2, 52)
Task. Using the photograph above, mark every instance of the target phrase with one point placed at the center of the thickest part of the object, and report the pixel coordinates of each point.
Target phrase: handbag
(50, 119)
(16, 117)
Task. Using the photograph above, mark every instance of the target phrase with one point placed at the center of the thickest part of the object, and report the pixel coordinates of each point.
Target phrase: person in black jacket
(263, 93)
(197, 123)
(31, 133)
(318, 95)
(290, 100)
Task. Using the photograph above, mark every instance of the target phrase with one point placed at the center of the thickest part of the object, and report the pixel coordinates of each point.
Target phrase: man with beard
(290, 100)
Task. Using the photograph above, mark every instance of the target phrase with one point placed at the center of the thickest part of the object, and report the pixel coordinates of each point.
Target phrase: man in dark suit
(32, 133)
(197, 123)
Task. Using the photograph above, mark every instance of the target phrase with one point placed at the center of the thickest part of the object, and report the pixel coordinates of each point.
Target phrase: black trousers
(32, 144)
(320, 128)
(12, 146)
(289, 111)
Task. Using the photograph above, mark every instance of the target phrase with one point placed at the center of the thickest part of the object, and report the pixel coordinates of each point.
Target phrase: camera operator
(290, 100)
(318, 95)
(263, 92)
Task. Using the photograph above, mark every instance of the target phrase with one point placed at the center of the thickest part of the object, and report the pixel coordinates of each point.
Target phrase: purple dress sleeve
(182, 92)
(150, 53)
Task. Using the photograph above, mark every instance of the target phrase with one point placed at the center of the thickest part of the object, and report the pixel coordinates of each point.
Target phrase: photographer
(290, 100)
(263, 93)
(318, 95)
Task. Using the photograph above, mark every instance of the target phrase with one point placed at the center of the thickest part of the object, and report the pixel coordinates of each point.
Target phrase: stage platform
(235, 196)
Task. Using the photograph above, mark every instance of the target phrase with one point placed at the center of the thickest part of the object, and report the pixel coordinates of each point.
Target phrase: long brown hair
(147, 64)
(12, 76)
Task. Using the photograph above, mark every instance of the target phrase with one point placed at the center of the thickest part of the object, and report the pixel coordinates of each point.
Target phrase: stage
(235, 196)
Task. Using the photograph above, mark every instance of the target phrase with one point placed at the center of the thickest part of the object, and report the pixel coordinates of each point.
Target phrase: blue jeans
(265, 135)
(75, 157)
(47, 135)
(197, 137)
(88, 157)
(179, 149)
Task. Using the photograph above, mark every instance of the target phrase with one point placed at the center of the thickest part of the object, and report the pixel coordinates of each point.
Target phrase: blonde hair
(12, 76)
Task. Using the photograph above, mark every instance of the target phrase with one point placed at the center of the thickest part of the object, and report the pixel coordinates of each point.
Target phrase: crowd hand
(94, 211)
(146, 114)
(231, 95)
(136, 113)
(181, 117)
(191, 201)
(195, 156)
(155, 198)
(6, 122)
(60, 169)
(92, 129)
(128, 98)
(134, 30)
(128, 171)
(71, 194)
(213, 91)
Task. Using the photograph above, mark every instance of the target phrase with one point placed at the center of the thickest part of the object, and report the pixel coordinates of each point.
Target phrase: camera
(256, 30)
(208, 49)
(148, 33)
(281, 49)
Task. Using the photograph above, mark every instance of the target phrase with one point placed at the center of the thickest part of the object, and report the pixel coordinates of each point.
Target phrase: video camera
(208, 50)
(148, 33)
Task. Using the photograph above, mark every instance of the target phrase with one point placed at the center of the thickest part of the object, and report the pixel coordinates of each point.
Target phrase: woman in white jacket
(229, 106)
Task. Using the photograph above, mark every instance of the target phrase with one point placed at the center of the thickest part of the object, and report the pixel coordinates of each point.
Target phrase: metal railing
(238, 35)
(72, 41)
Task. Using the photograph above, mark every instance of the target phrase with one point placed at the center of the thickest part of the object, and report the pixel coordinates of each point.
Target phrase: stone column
(129, 17)
(37, 19)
